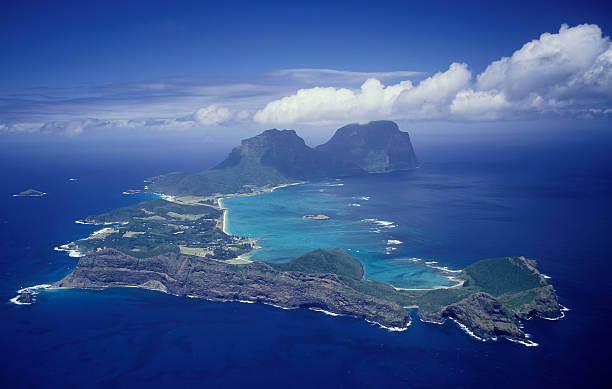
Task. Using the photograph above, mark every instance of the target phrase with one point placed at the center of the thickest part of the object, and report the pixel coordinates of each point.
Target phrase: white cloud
(22, 127)
(484, 105)
(372, 101)
(557, 73)
(213, 115)
(243, 115)
(555, 64)
(333, 76)
(430, 99)
(322, 104)
(568, 73)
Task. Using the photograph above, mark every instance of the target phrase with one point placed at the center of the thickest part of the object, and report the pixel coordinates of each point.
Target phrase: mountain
(287, 153)
(375, 147)
(277, 157)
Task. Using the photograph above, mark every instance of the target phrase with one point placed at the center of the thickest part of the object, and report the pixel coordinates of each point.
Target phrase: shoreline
(260, 191)
(43, 287)
(30, 195)
(219, 200)
(36, 289)
(457, 285)
(244, 257)
(224, 227)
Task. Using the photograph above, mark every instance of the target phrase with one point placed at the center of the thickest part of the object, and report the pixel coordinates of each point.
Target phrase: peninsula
(177, 244)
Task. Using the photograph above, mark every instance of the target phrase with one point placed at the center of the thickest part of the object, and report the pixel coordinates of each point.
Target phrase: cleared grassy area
(157, 207)
(153, 217)
(184, 217)
(131, 234)
(197, 251)
(236, 261)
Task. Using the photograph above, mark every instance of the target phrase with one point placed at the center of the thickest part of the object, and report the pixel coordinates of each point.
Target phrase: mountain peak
(280, 156)
(385, 126)
(377, 146)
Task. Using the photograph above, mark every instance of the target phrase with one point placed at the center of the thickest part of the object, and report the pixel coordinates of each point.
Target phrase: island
(25, 298)
(492, 298)
(177, 244)
(30, 193)
(281, 157)
(319, 216)
(133, 191)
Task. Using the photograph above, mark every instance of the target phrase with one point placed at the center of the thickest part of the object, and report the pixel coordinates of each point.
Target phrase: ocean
(544, 199)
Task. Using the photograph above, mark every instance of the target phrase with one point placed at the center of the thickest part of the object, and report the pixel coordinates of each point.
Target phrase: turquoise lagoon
(275, 220)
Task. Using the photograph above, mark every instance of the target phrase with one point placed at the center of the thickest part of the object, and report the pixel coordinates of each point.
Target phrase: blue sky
(71, 67)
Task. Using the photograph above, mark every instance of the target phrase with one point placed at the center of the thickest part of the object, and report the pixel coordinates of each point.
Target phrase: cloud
(430, 99)
(484, 105)
(562, 74)
(79, 126)
(212, 115)
(556, 74)
(372, 101)
(321, 104)
(329, 103)
(571, 62)
(333, 77)
(21, 128)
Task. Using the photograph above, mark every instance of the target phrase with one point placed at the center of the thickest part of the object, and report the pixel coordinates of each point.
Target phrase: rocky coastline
(254, 282)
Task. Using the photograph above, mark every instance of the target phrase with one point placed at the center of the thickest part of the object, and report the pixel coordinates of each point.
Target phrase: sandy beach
(457, 285)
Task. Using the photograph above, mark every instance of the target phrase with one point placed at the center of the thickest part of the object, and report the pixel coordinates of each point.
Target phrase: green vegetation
(335, 261)
(159, 226)
(502, 275)
(515, 281)
(350, 272)
(278, 157)
(383, 291)
(434, 301)
(374, 147)
(243, 178)
(512, 286)
(158, 207)
(517, 300)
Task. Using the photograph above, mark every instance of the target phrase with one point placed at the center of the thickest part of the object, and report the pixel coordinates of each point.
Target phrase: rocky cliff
(495, 295)
(256, 282)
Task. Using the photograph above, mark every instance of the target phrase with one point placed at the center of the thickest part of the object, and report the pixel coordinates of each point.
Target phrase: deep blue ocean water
(547, 200)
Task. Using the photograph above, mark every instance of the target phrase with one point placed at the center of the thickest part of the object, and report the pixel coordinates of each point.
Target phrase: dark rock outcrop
(495, 295)
(25, 298)
(484, 316)
(209, 279)
(544, 303)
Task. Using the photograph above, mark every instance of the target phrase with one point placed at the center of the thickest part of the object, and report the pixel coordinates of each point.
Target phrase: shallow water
(355, 224)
